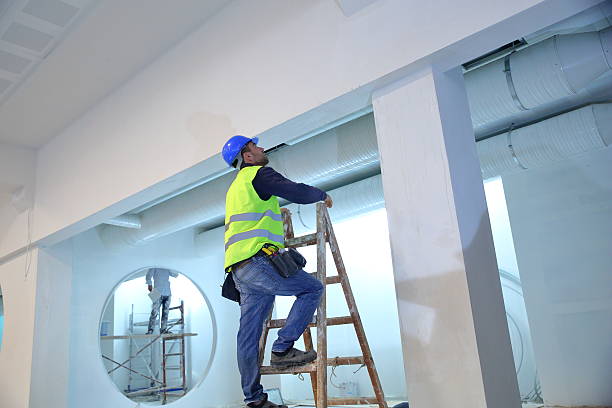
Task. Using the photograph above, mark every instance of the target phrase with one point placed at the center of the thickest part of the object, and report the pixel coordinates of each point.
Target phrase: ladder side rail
(321, 398)
(290, 234)
(264, 336)
(130, 348)
(183, 370)
(182, 356)
(164, 369)
(359, 330)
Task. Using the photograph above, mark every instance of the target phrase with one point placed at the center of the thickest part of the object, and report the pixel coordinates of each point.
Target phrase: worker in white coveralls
(253, 237)
(158, 279)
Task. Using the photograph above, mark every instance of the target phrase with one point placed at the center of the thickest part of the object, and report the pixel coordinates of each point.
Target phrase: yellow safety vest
(250, 222)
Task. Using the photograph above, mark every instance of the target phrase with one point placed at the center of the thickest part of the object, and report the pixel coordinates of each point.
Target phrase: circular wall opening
(157, 336)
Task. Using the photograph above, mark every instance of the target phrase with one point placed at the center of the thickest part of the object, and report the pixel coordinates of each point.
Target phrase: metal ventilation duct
(553, 69)
(337, 157)
(532, 77)
(554, 139)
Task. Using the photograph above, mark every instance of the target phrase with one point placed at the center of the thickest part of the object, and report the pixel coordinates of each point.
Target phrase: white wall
(561, 220)
(18, 284)
(97, 271)
(17, 175)
(52, 327)
(221, 80)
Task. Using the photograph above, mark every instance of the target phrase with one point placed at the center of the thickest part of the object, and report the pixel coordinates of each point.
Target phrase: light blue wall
(1, 320)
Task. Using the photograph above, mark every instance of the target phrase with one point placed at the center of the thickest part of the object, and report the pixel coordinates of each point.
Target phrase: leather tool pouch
(287, 262)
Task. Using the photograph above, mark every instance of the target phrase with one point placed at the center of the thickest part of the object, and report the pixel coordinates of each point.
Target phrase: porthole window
(156, 336)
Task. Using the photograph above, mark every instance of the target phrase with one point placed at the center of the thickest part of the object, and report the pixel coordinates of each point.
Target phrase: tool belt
(287, 262)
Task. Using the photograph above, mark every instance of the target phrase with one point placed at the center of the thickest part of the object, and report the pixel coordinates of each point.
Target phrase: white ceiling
(106, 43)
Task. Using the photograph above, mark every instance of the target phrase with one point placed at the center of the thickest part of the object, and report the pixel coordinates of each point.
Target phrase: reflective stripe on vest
(253, 216)
(262, 233)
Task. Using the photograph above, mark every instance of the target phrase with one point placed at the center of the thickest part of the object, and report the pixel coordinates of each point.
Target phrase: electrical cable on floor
(331, 378)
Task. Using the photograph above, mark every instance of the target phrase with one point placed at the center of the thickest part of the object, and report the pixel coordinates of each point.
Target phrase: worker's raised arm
(269, 182)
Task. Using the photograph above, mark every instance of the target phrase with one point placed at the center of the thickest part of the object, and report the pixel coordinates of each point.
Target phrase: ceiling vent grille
(29, 31)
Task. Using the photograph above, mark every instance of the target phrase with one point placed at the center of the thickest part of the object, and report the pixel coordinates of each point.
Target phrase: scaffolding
(143, 361)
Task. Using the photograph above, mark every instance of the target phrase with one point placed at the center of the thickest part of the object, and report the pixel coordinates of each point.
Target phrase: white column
(455, 339)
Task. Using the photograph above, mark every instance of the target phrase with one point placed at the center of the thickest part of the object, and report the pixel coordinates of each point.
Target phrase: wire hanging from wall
(28, 259)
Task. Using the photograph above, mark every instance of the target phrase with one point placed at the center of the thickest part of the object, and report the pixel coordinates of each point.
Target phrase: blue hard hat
(233, 146)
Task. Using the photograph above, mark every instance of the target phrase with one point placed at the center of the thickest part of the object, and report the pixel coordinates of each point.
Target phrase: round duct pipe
(554, 139)
(350, 200)
(336, 157)
(553, 69)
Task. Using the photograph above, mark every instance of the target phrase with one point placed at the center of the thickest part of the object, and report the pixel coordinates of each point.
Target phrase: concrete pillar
(455, 338)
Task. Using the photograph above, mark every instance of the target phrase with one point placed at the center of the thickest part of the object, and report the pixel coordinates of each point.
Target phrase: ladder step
(328, 280)
(352, 401)
(331, 321)
(304, 240)
(312, 367)
(173, 354)
(307, 368)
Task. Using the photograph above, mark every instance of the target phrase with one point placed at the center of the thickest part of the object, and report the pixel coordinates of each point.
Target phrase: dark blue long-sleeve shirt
(268, 182)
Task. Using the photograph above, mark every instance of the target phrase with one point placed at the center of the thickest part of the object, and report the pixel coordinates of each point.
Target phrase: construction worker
(161, 277)
(252, 222)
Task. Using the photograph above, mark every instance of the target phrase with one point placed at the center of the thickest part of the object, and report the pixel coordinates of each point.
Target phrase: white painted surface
(17, 174)
(561, 220)
(450, 303)
(177, 112)
(97, 271)
(18, 293)
(52, 328)
(111, 41)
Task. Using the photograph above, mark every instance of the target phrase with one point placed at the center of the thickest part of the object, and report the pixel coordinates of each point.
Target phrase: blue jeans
(258, 283)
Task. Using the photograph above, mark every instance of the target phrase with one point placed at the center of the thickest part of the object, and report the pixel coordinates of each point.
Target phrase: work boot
(265, 404)
(292, 357)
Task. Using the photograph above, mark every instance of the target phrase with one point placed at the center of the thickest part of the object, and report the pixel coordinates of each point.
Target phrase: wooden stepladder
(318, 368)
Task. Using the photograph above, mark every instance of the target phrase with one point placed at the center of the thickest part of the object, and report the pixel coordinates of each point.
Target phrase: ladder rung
(173, 354)
(304, 240)
(329, 280)
(312, 367)
(331, 321)
(307, 368)
(352, 401)
(173, 368)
